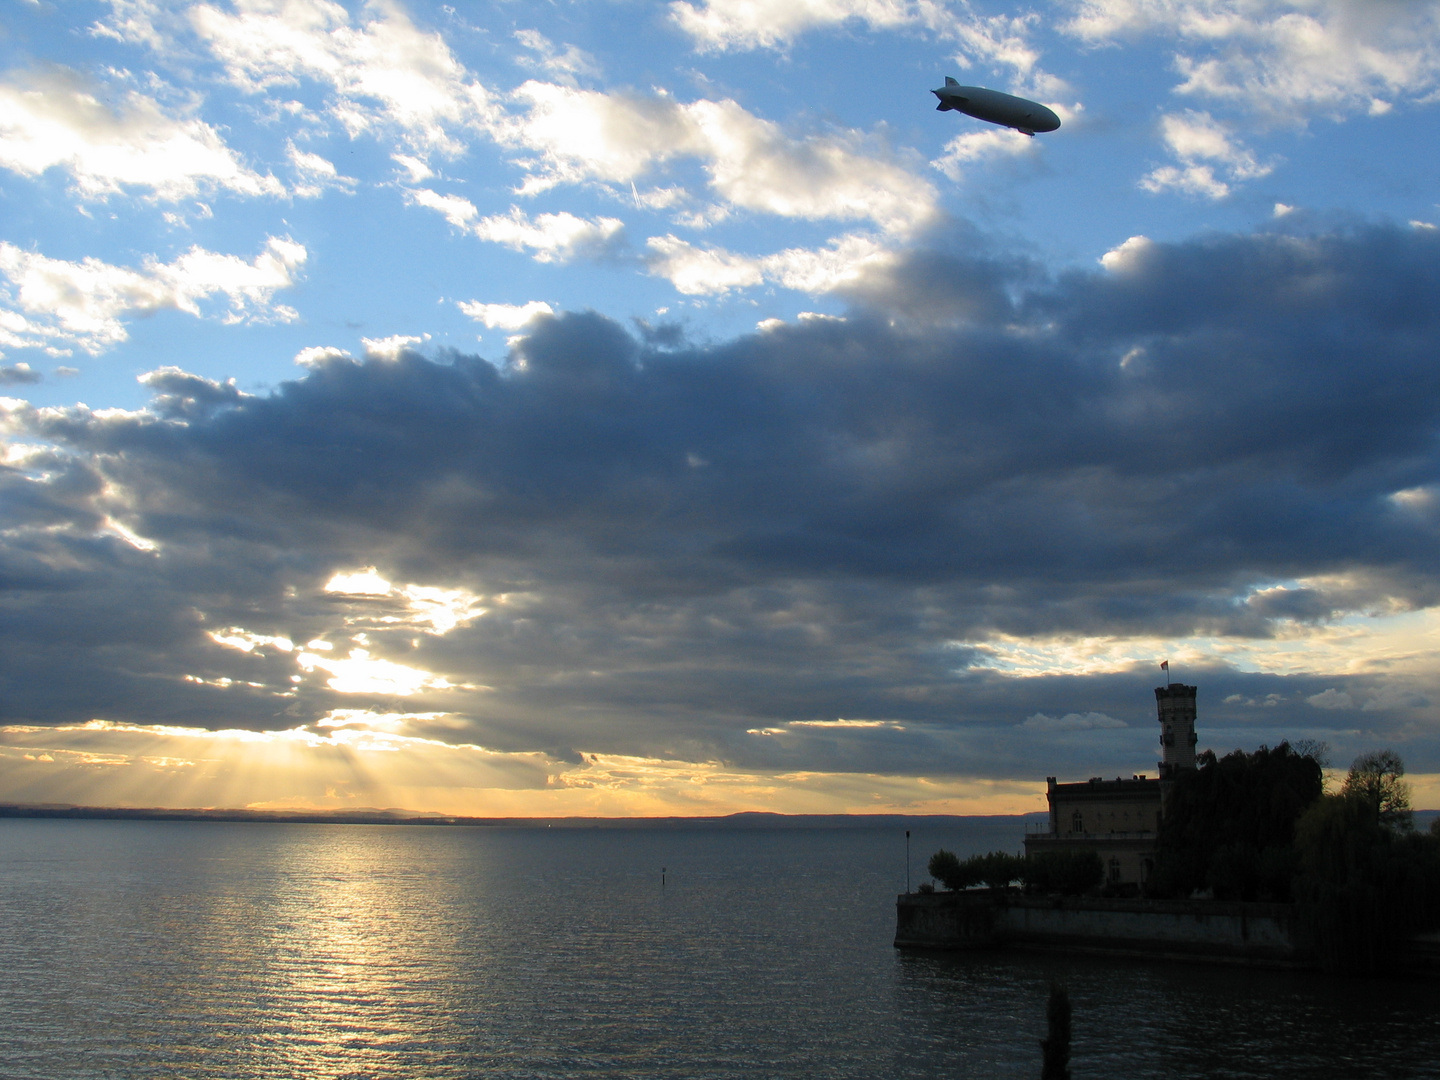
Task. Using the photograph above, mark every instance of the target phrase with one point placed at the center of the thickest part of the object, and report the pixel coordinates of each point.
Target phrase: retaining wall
(1208, 930)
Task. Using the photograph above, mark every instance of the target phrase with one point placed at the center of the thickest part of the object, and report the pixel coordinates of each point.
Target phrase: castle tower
(1176, 706)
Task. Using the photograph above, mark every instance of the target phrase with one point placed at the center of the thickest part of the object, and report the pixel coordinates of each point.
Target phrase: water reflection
(205, 950)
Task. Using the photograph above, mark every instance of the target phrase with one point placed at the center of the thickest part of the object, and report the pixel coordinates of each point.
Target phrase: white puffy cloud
(383, 71)
(751, 163)
(57, 304)
(317, 174)
(57, 120)
(996, 40)
(505, 316)
(1127, 256)
(1284, 57)
(773, 24)
(550, 237)
(1203, 145)
(390, 348)
(714, 271)
(701, 271)
(458, 211)
(320, 355)
(975, 146)
(586, 135)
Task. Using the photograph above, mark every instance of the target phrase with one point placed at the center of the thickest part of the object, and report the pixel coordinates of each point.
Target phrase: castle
(1120, 818)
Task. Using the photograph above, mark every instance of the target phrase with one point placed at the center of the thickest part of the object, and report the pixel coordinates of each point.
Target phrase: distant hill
(370, 816)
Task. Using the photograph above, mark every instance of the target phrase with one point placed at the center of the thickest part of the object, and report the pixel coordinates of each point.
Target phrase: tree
(946, 868)
(1229, 824)
(1363, 889)
(1375, 780)
(998, 869)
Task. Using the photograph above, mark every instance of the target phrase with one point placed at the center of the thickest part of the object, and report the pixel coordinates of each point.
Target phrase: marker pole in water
(662, 878)
(907, 862)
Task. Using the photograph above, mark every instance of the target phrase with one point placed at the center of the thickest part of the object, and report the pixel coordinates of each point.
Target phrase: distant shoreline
(743, 820)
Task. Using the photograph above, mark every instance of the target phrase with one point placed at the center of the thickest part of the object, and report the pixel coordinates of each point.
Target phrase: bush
(1069, 873)
(997, 869)
(946, 868)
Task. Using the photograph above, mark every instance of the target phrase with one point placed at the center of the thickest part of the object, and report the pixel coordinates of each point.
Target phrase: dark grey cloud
(680, 544)
(18, 375)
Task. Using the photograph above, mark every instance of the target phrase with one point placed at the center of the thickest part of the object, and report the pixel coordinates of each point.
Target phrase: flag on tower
(1164, 665)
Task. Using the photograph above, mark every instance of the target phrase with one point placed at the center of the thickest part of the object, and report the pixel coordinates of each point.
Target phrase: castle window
(1114, 869)
(1076, 824)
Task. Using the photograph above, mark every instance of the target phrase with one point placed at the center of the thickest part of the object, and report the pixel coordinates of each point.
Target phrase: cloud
(567, 63)
(650, 551)
(57, 120)
(1331, 699)
(1001, 40)
(977, 146)
(549, 237)
(386, 75)
(505, 316)
(751, 163)
(1283, 59)
(317, 175)
(715, 271)
(1203, 145)
(18, 375)
(774, 24)
(181, 395)
(1089, 721)
(390, 348)
(85, 304)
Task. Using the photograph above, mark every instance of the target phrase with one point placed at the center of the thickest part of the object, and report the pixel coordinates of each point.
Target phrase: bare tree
(1375, 779)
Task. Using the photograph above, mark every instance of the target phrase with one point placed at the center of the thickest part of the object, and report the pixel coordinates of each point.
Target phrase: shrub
(946, 868)
(998, 869)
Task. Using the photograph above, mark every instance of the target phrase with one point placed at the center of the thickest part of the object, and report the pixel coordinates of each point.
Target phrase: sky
(607, 407)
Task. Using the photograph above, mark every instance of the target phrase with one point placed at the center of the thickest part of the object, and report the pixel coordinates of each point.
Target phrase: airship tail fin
(944, 106)
(950, 82)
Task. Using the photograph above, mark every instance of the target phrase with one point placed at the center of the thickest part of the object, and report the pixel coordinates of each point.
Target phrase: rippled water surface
(171, 949)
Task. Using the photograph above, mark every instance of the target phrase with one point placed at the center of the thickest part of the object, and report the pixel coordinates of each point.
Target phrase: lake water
(176, 949)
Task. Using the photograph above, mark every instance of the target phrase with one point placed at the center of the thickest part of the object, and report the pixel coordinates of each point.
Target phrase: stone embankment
(1207, 930)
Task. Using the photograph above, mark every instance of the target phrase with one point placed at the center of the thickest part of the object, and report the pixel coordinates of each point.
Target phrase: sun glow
(360, 673)
(357, 758)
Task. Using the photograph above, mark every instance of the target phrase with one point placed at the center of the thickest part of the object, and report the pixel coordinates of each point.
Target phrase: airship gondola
(1007, 110)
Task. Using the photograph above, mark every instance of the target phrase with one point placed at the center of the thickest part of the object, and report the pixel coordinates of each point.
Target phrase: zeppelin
(1026, 117)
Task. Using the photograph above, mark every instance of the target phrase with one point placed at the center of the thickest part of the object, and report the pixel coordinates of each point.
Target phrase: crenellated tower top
(1176, 706)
